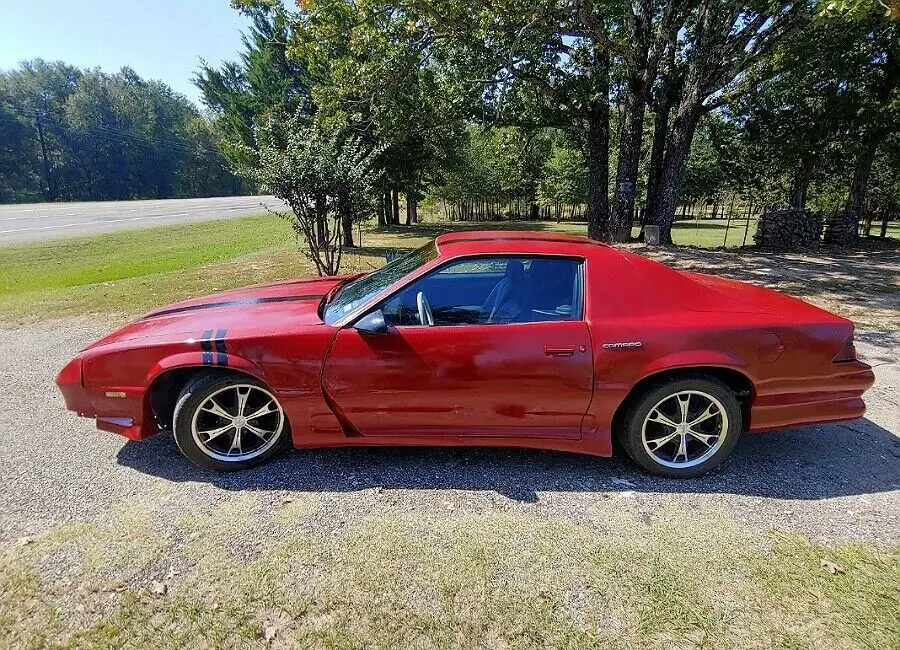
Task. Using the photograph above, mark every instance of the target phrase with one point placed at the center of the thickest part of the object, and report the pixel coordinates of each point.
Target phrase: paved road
(43, 221)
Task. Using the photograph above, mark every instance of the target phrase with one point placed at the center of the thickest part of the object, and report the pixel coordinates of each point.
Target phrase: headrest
(515, 271)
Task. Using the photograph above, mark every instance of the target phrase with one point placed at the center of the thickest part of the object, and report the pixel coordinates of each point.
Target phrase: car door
(480, 370)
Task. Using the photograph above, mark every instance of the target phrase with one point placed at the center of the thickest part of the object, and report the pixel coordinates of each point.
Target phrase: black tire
(656, 395)
(197, 392)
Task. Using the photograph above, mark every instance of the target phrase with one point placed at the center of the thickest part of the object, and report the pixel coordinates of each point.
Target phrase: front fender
(195, 360)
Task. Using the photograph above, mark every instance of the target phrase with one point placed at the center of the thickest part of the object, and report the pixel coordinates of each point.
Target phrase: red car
(512, 339)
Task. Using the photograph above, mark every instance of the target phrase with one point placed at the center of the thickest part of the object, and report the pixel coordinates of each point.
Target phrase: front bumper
(116, 409)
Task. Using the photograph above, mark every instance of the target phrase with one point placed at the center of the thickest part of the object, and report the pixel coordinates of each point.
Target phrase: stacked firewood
(842, 228)
(789, 230)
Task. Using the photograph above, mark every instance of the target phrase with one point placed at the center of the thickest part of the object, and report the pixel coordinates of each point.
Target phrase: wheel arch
(168, 377)
(734, 379)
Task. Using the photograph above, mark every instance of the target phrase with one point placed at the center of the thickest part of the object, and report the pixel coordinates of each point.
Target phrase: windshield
(355, 293)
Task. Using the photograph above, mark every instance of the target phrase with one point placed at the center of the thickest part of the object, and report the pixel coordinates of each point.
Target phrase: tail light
(847, 353)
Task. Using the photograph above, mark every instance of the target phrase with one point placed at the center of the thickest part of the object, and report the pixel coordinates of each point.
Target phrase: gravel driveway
(832, 483)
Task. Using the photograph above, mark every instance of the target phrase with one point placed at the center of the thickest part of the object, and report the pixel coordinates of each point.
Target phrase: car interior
(494, 290)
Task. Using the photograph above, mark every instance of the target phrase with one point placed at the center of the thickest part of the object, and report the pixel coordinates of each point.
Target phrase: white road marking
(37, 223)
(92, 223)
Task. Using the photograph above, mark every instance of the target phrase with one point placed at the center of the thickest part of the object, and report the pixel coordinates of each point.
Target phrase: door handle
(559, 350)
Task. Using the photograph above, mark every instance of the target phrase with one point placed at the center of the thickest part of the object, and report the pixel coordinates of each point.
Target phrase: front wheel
(228, 422)
(683, 428)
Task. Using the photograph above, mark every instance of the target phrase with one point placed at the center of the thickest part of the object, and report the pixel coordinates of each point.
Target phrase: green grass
(86, 260)
(133, 270)
(711, 233)
(493, 579)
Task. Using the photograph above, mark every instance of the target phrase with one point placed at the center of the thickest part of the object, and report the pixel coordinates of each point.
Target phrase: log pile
(789, 230)
(842, 228)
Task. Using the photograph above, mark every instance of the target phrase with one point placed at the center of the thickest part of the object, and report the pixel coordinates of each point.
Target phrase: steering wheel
(425, 315)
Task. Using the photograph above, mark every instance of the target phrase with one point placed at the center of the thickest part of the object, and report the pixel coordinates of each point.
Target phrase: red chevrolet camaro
(486, 338)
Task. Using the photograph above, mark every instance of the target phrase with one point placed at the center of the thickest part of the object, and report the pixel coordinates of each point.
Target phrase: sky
(160, 39)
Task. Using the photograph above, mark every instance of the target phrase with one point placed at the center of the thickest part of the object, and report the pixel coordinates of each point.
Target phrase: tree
(242, 94)
(721, 42)
(467, 101)
(648, 31)
(532, 65)
(563, 180)
(75, 134)
(877, 117)
(373, 72)
(324, 175)
(34, 95)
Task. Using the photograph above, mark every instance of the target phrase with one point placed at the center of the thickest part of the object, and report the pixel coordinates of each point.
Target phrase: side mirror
(372, 323)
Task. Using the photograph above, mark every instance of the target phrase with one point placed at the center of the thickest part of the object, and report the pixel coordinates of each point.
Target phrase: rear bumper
(834, 398)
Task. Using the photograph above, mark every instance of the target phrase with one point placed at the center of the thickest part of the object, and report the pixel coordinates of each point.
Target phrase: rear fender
(693, 359)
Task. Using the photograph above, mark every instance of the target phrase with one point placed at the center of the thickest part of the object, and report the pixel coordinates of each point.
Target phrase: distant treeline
(71, 134)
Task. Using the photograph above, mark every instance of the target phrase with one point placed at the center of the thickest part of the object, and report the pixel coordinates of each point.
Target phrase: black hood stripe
(206, 347)
(221, 356)
(232, 303)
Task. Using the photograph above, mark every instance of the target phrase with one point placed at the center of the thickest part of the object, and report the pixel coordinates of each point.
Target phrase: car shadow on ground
(808, 463)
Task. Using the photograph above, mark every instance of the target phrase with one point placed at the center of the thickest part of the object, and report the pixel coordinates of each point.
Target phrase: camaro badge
(626, 344)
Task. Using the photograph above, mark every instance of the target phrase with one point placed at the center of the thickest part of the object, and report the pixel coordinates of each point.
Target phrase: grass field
(131, 272)
(492, 580)
(712, 233)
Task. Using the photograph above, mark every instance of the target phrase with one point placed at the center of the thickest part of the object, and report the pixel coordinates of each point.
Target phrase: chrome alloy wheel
(684, 429)
(237, 423)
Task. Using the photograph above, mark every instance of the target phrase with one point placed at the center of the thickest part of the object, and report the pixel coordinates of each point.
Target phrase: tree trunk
(678, 147)
(843, 228)
(662, 108)
(395, 207)
(629, 158)
(412, 209)
(800, 185)
(321, 225)
(382, 212)
(597, 152)
(642, 58)
(347, 226)
(50, 194)
(860, 184)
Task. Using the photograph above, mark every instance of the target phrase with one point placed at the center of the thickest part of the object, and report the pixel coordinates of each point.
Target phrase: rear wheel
(682, 428)
(228, 422)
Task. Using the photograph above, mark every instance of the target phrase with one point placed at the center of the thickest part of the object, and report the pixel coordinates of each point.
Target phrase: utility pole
(40, 129)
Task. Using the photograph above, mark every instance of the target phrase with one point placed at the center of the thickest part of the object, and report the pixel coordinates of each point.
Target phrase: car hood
(260, 310)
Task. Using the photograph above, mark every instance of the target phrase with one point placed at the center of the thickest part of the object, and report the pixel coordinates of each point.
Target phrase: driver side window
(492, 290)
